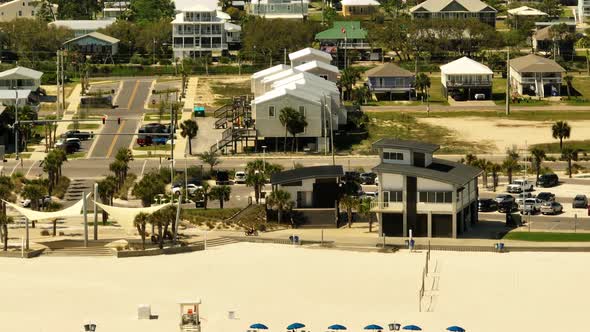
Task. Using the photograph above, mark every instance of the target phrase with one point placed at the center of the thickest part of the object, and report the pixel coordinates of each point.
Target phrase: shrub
(44, 232)
(62, 186)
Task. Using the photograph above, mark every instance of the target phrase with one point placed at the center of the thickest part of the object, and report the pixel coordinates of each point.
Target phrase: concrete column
(379, 223)
(429, 224)
(454, 211)
(405, 202)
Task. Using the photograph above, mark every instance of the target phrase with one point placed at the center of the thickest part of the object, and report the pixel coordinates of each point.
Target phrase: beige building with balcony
(536, 76)
(9, 10)
(429, 196)
(465, 78)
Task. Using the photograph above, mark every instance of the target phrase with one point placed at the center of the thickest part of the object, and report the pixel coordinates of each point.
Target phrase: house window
(392, 196)
(435, 196)
(20, 13)
(324, 77)
(302, 110)
(271, 111)
(32, 13)
(393, 155)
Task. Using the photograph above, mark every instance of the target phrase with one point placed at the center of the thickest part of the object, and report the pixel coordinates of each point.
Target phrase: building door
(419, 159)
(411, 202)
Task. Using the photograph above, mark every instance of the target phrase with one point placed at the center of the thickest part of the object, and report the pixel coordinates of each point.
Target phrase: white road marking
(14, 168)
(31, 167)
(143, 167)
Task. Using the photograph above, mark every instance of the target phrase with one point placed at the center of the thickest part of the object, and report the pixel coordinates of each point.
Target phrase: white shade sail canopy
(125, 215)
(72, 211)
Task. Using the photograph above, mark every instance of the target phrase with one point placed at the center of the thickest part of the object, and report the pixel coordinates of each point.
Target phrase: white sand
(505, 133)
(278, 285)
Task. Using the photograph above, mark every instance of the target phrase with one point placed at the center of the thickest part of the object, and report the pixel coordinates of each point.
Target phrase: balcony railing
(468, 83)
(393, 206)
(351, 45)
(544, 80)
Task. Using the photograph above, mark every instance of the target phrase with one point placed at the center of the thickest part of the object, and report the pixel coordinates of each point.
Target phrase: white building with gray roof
(455, 10)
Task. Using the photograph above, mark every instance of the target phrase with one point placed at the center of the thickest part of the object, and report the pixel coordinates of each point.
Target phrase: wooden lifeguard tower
(189, 316)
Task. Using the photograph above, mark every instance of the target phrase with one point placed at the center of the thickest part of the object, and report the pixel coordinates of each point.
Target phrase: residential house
(94, 44)
(390, 78)
(418, 193)
(320, 69)
(343, 37)
(203, 29)
(536, 76)
(314, 191)
(456, 10)
(315, 62)
(82, 27)
(583, 9)
(20, 78)
(359, 7)
(527, 14)
(308, 54)
(256, 78)
(464, 78)
(10, 10)
(114, 9)
(547, 42)
(285, 9)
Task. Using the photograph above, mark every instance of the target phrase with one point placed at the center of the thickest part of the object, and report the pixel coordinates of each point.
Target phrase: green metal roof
(353, 31)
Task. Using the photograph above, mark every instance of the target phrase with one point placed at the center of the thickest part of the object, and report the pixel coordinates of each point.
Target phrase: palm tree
(285, 117)
(51, 167)
(483, 164)
(538, 155)
(221, 193)
(569, 154)
(255, 179)
(561, 130)
(296, 124)
(162, 219)
(4, 221)
(281, 201)
(365, 210)
(362, 95)
(210, 158)
(422, 84)
(568, 80)
(120, 168)
(189, 129)
(349, 202)
(125, 155)
(495, 169)
(106, 191)
(140, 221)
(149, 187)
(510, 164)
(470, 159)
(348, 80)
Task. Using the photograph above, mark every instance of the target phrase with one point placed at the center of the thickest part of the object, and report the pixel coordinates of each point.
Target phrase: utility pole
(172, 130)
(95, 210)
(63, 90)
(508, 81)
(285, 56)
(16, 124)
(57, 78)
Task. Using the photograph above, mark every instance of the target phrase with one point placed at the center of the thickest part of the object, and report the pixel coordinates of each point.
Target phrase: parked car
(507, 206)
(159, 140)
(240, 177)
(551, 208)
(521, 197)
(518, 186)
(42, 201)
(548, 180)
(502, 198)
(82, 135)
(531, 206)
(74, 140)
(144, 140)
(377, 181)
(69, 147)
(222, 177)
(546, 196)
(487, 205)
(190, 188)
(352, 177)
(368, 178)
(580, 202)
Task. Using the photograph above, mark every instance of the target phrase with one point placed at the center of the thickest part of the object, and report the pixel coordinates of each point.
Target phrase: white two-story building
(429, 196)
(285, 9)
(203, 29)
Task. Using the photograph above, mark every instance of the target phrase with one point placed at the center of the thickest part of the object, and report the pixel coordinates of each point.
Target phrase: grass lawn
(84, 126)
(405, 126)
(582, 87)
(156, 116)
(21, 155)
(548, 237)
(554, 147)
(77, 155)
(515, 115)
(163, 147)
(224, 92)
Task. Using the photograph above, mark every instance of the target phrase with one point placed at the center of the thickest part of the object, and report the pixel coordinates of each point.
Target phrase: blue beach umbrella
(295, 326)
(412, 328)
(373, 327)
(258, 326)
(336, 327)
(455, 328)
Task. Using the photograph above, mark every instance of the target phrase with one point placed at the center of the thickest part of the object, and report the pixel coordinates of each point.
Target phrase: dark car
(548, 180)
(144, 140)
(222, 177)
(82, 135)
(507, 206)
(546, 196)
(503, 198)
(368, 178)
(487, 205)
(352, 177)
(580, 202)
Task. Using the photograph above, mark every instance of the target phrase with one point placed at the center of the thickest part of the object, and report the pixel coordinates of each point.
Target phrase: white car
(518, 186)
(240, 177)
(191, 188)
(531, 206)
(521, 197)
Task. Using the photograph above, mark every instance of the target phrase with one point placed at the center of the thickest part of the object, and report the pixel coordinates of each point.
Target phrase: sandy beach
(505, 133)
(278, 285)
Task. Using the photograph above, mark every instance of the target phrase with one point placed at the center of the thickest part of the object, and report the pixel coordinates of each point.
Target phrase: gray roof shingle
(314, 172)
(439, 5)
(389, 70)
(535, 64)
(440, 170)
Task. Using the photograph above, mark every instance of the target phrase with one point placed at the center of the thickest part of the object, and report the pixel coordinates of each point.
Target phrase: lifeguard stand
(189, 316)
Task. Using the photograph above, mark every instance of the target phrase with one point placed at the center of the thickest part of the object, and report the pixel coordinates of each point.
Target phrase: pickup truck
(518, 186)
(82, 135)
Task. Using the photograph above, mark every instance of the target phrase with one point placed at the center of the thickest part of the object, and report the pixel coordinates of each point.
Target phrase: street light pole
(264, 159)
(16, 124)
(508, 81)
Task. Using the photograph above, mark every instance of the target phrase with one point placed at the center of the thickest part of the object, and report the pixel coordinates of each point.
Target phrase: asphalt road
(131, 99)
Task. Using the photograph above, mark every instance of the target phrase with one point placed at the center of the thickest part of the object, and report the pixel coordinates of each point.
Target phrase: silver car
(531, 206)
(551, 208)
